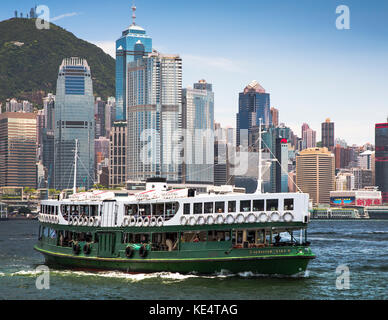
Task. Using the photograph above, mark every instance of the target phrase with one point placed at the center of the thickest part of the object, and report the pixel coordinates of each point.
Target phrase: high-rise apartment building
(74, 120)
(198, 126)
(381, 159)
(118, 154)
(275, 116)
(254, 104)
(315, 174)
(99, 115)
(133, 44)
(328, 134)
(154, 116)
(18, 149)
(308, 137)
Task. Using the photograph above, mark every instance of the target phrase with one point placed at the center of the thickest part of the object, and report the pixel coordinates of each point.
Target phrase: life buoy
(129, 252)
(220, 219)
(192, 221)
(139, 222)
(210, 220)
(91, 221)
(240, 218)
(288, 217)
(75, 221)
(160, 222)
(275, 216)
(87, 249)
(153, 222)
(97, 221)
(229, 219)
(251, 218)
(125, 222)
(146, 222)
(263, 217)
(183, 220)
(132, 221)
(70, 220)
(201, 221)
(76, 248)
(143, 251)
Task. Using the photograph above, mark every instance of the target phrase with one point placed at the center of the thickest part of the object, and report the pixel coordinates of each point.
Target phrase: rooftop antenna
(133, 14)
(75, 167)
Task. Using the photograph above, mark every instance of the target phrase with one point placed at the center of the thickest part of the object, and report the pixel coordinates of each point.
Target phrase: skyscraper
(328, 134)
(154, 116)
(132, 45)
(74, 120)
(275, 116)
(18, 149)
(254, 103)
(118, 154)
(381, 159)
(308, 137)
(198, 125)
(315, 174)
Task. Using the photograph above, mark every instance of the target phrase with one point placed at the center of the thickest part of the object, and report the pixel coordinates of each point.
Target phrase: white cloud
(108, 47)
(66, 15)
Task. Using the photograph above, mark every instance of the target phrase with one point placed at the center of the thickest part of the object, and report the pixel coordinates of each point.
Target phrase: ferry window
(131, 209)
(288, 204)
(245, 206)
(197, 208)
(258, 205)
(231, 206)
(218, 236)
(208, 207)
(145, 209)
(93, 211)
(171, 209)
(220, 207)
(272, 204)
(127, 237)
(251, 236)
(159, 210)
(186, 208)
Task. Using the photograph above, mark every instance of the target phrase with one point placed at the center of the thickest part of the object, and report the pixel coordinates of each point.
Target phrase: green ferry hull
(289, 264)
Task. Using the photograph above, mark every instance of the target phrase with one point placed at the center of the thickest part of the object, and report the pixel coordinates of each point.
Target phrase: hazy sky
(292, 48)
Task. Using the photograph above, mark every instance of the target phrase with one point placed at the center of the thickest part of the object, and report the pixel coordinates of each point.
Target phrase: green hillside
(30, 58)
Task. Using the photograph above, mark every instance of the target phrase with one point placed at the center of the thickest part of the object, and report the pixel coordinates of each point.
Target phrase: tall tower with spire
(133, 44)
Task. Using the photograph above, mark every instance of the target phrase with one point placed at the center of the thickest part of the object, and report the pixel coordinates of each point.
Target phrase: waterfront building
(344, 180)
(366, 197)
(110, 115)
(133, 44)
(198, 126)
(18, 149)
(118, 155)
(315, 174)
(328, 134)
(99, 115)
(362, 178)
(74, 120)
(366, 159)
(254, 103)
(381, 159)
(154, 115)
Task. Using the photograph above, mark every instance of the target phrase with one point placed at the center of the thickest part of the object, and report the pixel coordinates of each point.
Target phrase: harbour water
(361, 245)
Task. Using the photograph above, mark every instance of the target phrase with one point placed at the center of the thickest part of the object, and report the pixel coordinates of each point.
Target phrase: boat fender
(87, 249)
(263, 217)
(229, 219)
(146, 222)
(275, 216)
(139, 222)
(129, 252)
(288, 217)
(76, 248)
(183, 220)
(160, 221)
(210, 220)
(143, 251)
(220, 219)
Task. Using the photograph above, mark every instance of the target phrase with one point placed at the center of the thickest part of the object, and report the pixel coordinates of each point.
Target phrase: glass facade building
(132, 45)
(254, 103)
(198, 125)
(381, 159)
(74, 119)
(154, 116)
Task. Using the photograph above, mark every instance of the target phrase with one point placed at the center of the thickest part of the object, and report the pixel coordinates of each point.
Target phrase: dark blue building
(382, 159)
(254, 103)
